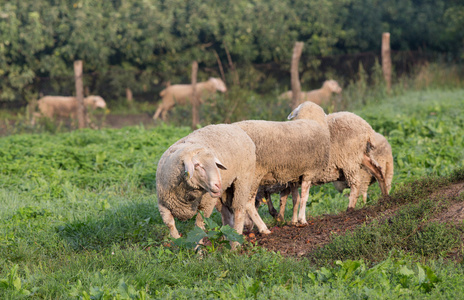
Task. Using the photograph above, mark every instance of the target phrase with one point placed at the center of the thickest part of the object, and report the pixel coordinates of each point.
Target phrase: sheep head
(218, 84)
(202, 171)
(333, 86)
(310, 111)
(95, 101)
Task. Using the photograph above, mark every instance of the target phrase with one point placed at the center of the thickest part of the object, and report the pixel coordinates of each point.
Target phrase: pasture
(79, 219)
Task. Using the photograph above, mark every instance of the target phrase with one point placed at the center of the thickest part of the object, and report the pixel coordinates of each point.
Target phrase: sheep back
(288, 150)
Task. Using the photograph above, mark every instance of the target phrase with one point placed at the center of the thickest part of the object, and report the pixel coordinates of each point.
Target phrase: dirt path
(299, 241)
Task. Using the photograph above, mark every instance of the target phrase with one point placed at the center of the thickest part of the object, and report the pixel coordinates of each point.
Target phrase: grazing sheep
(181, 93)
(195, 171)
(320, 96)
(290, 151)
(383, 155)
(351, 142)
(58, 106)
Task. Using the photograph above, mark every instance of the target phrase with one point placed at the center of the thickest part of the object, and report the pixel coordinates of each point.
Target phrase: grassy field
(79, 219)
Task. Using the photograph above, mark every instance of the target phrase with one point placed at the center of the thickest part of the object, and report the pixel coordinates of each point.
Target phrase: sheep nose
(217, 186)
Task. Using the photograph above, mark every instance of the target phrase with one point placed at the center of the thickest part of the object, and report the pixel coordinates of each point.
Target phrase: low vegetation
(79, 219)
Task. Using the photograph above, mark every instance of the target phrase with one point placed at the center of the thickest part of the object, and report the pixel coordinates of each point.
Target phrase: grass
(409, 229)
(79, 219)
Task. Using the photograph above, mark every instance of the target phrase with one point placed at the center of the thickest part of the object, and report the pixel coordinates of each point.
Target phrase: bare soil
(301, 241)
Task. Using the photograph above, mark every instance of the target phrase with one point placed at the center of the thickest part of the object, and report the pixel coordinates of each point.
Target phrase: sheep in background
(383, 155)
(290, 151)
(351, 142)
(59, 106)
(320, 96)
(181, 93)
(199, 168)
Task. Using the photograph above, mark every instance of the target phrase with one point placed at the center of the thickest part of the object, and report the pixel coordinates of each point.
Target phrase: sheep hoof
(267, 231)
(302, 223)
(350, 210)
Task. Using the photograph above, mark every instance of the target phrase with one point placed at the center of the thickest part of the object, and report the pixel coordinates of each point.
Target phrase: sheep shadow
(137, 223)
(127, 224)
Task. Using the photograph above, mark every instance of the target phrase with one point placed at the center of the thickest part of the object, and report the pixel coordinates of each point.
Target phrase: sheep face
(333, 86)
(218, 84)
(202, 171)
(95, 101)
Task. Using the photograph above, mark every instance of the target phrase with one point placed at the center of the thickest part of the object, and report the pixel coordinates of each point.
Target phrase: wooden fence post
(81, 113)
(295, 77)
(195, 102)
(129, 96)
(386, 60)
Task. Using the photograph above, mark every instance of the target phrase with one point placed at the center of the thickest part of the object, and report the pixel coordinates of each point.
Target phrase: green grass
(79, 219)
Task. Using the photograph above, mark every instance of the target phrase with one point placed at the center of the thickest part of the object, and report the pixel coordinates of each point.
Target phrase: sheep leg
(354, 194)
(363, 191)
(168, 219)
(283, 203)
(253, 213)
(158, 112)
(164, 115)
(305, 185)
(296, 202)
(270, 205)
(227, 215)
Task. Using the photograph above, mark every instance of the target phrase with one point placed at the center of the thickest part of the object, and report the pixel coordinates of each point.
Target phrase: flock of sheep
(181, 93)
(234, 166)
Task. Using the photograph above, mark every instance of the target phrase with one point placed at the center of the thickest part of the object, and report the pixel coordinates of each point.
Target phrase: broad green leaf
(231, 234)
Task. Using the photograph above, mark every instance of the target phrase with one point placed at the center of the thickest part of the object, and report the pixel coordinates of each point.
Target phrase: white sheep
(320, 96)
(290, 151)
(63, 106)
(351, 143)
(198, 169)
(59, 106)
(383, 155)
(181, 93)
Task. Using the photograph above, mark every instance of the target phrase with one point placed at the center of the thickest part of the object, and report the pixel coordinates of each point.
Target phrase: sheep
(199, 168)
(63, 106)
(320, 96)
(51, 106)
(290, 151)
(181, 93)
(383, 155)
(351, 142)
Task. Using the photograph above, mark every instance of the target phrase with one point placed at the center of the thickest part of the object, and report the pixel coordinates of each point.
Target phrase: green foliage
(216, 235)
(123, 291)
(134, 44)
(13, 282)
(390, 275)
(79, 218)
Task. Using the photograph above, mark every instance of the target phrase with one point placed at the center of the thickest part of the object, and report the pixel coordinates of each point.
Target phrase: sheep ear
(219, 164)
(294, 113)
(189, 165)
